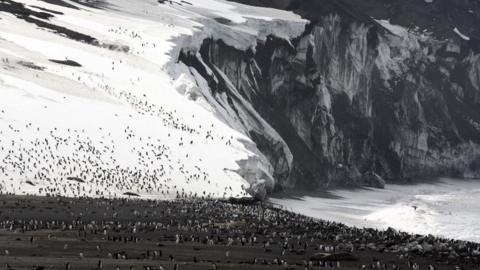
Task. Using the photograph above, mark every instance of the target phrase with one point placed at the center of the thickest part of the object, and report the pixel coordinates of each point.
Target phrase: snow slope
(94, 103)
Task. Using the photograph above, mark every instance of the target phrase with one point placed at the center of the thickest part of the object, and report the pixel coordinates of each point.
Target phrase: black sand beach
(65, 233)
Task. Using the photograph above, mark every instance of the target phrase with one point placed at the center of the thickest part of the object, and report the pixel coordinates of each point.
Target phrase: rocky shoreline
(83, 233)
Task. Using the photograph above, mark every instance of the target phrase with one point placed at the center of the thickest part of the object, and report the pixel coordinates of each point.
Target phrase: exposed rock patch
(354, 100)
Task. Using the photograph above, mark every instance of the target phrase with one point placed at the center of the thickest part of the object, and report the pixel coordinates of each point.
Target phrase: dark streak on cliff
(353, 100)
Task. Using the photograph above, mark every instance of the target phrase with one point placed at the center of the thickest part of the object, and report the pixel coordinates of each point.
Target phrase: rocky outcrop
(473, 169)
(352, 100)
(371, 179)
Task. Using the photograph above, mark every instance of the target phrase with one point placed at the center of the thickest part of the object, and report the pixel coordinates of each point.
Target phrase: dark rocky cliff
(354, 98)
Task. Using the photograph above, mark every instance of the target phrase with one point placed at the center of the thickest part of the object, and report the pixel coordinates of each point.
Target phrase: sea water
(447, 207)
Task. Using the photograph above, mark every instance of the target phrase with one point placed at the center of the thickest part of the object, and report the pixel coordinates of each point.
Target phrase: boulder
(371, 179)
(258, 190)
(473, 169)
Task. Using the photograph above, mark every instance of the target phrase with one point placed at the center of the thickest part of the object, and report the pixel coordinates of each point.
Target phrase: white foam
(448, 208)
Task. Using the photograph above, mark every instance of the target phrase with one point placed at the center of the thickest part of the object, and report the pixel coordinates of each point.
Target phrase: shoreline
(198, 234)
(444, 207)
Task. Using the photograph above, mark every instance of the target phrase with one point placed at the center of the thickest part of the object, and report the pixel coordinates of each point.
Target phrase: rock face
(355, 100)
(372, 179)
